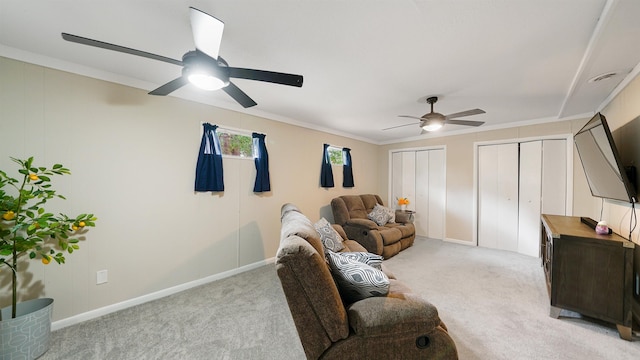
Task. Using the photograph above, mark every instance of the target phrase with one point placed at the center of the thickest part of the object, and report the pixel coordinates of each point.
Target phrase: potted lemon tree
(29, 232)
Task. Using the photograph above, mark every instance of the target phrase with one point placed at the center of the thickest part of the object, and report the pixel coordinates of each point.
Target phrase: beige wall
(622, 109)
(132, 158)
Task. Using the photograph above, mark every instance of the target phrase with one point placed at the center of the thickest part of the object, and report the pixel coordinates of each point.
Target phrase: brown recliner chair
(400, 325)
(351, 212)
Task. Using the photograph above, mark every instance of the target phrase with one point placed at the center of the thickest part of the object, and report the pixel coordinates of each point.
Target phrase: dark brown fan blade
(464, 122)
(126, 50)
(170, 87)
(465, 113)
(239, 95)
(267, 76)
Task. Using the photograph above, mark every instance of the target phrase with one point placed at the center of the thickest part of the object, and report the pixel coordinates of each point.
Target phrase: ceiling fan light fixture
(206, 81)
(431, 125)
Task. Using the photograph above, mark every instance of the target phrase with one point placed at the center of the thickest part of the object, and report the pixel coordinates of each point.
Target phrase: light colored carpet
(494, 302)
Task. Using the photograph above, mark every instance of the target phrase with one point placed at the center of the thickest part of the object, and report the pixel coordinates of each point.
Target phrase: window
(335, 155)
(236, 143)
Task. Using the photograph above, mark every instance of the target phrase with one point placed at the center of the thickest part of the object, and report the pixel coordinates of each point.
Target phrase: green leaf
(57, 166)
(44, 178)
(32, 255)
(75, 246)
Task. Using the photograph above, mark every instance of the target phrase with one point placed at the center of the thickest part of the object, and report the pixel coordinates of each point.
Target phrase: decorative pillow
(373, 260)
(379, 215)
(328, 235)
(356, 280)
(392, 214)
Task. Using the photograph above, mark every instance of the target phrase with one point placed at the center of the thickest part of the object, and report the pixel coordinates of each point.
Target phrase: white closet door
(437, 194)
(554, 177)
(498, 196)
(421, 221)
(420, 176)
(409, 178)
(396, 177)
(529, 199)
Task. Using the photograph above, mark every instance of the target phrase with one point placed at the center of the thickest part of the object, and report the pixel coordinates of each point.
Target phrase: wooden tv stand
(588, 273)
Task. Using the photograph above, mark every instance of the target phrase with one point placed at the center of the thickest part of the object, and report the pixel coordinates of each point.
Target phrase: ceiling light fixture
(206, 82)
(203, 74)
(431, 125)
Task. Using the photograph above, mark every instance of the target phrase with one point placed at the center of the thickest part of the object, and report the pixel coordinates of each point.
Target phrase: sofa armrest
(393, 315)
(364, 224)
(366, 233)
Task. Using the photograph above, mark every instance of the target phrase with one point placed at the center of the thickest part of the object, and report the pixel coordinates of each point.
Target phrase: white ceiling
(364, 62)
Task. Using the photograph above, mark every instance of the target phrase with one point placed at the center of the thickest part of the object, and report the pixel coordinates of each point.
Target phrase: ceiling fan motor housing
(196, 62)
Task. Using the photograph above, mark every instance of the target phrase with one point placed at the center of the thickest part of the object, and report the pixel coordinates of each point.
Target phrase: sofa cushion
(328, 235)
(356, 280)
(379, 215)
(390, 235)
(364, 257)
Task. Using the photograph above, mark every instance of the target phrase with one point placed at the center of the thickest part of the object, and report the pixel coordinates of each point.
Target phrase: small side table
(405, 216)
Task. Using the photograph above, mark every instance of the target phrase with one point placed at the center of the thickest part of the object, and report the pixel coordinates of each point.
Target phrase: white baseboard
(76, 319)
(458, 241)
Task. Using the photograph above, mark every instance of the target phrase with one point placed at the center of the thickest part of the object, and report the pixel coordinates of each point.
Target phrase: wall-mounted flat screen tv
(601, 162)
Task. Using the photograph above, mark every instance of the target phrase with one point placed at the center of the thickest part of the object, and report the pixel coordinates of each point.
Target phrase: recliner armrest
(365, 224)
(393, 315)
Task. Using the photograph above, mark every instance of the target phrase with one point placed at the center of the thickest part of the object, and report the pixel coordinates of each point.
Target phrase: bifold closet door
(403, 178)
(498, 196)
(430, 193)
(529, 198)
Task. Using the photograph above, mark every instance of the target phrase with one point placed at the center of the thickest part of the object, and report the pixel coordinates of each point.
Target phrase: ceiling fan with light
(202, 67)
(433, 121)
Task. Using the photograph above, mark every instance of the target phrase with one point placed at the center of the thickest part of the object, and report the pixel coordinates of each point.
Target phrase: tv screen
(601, 162)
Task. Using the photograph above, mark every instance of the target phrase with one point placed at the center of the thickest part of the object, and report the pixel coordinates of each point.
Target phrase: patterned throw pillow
(328, 235)
(373, 260)
(357, 281)
(392, 214)
(379, 215)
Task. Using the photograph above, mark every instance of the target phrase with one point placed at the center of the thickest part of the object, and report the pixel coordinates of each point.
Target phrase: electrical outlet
(101, 277)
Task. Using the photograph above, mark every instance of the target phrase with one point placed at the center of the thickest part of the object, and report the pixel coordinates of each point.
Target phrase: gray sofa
(350, 212)
(400, 325)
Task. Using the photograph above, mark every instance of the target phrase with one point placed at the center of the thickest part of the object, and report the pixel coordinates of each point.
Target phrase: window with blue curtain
(261, 159)
(209, 176)
(347, 169)
(326, 173)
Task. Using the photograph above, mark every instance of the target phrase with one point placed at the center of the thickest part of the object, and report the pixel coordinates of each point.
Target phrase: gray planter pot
(27, 336)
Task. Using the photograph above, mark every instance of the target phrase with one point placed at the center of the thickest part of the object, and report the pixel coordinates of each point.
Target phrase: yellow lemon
(33, 177)
(9, 215)
(81, 224)
(74, 227)
(46, 260)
